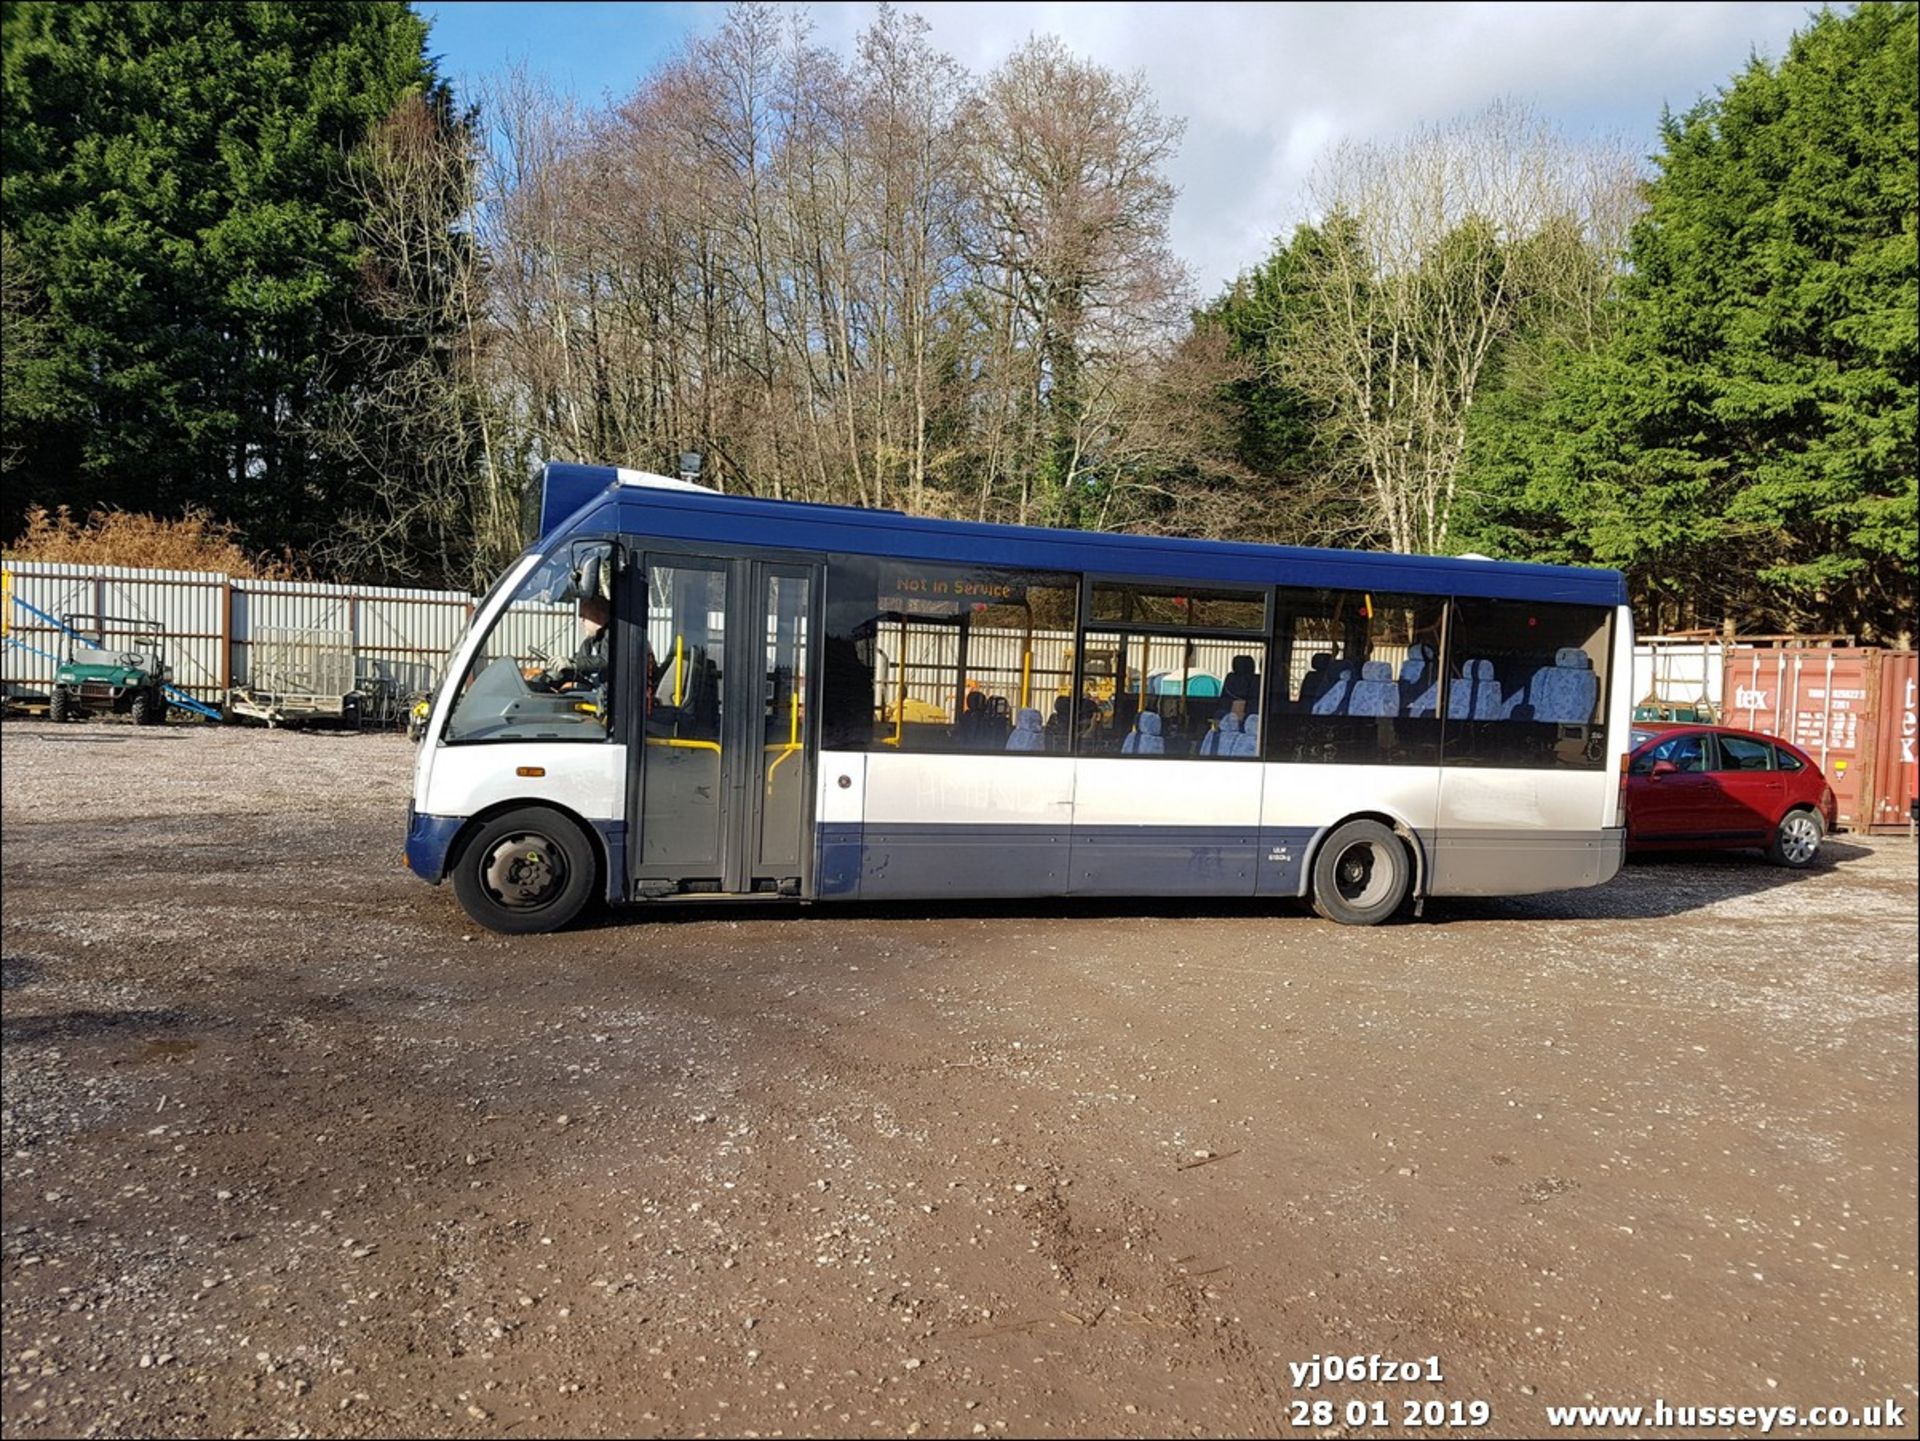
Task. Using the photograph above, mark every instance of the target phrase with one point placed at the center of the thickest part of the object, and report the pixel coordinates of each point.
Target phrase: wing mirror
(1664, 768)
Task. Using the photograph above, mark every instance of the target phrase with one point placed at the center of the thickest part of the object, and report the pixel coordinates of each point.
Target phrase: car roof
(1663, 728)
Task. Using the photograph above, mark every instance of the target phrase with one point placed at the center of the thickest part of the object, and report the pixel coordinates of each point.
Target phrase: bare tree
(1071, 235)
(1429, 253)
(788, 260)
(439, 491)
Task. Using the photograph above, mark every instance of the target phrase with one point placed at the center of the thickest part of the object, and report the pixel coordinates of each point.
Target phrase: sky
(1265, 90)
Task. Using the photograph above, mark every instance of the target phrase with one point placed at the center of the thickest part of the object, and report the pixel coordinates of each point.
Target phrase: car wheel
(1361, 874)
(1796, 840)
(525, 872)
(149, 708)
(59, 706)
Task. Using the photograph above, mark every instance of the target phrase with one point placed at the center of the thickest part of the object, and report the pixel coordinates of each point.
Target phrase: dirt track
(292, 1148)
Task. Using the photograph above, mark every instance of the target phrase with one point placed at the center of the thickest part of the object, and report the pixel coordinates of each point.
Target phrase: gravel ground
(291, 1148)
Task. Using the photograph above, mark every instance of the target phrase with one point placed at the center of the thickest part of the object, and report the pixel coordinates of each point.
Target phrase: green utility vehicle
(98, 676)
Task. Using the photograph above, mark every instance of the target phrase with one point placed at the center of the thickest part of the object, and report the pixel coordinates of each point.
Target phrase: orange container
(1896, 736)
(1849, 707)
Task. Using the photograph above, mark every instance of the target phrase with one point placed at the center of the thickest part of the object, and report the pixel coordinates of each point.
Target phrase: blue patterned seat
(1145, 738)
(1564, 692)
(1375, 693)
(1419, 685)
(1333, 699)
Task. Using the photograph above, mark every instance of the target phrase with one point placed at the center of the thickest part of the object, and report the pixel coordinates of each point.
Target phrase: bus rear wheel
(1361, 874)
(525, 872)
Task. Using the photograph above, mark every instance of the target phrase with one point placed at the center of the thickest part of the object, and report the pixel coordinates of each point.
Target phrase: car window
(1742, 753)
(1786, 760)
(1686, 752)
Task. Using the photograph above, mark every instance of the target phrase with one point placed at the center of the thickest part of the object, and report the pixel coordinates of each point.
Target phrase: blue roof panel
(688, 516)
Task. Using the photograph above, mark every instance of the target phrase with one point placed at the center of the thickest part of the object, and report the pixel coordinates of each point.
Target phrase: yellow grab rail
(678, 744)
(793, 737)
(900, 701)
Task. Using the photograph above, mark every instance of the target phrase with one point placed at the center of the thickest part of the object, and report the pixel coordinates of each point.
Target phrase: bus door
(724, 791)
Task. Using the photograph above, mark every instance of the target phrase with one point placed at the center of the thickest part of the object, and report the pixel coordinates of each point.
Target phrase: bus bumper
(428, 840)
(1613, 853)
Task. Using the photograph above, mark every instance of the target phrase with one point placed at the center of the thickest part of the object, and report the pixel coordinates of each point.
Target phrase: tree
(1430, 255)
(1070, 238)
(434, 481)
(175, 191)
(1743, 442)
(1295, 479)
(866, 279)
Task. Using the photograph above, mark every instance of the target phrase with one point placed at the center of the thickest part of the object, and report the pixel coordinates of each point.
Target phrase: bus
(677, 694)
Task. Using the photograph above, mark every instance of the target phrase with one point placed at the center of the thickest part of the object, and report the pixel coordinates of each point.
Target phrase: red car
(1709, 787)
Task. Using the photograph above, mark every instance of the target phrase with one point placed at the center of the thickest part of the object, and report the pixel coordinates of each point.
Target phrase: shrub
(194, 541)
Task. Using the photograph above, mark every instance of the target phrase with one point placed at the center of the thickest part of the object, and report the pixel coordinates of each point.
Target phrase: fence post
(226, 638)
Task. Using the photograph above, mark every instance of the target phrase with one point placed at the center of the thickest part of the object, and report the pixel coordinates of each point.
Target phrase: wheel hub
(1359, 876)
(1800, 840)
(525, 871)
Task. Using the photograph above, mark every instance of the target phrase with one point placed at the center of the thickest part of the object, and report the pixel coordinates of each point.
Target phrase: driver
(587, 666)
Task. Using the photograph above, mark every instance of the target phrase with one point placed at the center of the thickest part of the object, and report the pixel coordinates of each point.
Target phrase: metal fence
(221, 629)
(1679, 675)
(218, 630)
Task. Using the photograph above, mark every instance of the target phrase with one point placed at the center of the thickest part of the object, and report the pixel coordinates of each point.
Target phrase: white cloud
(1265, 89)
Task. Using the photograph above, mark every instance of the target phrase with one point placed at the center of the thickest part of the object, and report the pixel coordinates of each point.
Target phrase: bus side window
(1361, 678)
(933, 657)
(1529, 683)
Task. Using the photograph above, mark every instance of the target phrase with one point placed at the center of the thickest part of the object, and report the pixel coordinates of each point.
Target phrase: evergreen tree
(1291, 463)
(1743, 441)
(186, 245)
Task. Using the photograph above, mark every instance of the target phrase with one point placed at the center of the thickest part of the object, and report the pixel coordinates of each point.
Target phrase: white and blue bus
(680, 694)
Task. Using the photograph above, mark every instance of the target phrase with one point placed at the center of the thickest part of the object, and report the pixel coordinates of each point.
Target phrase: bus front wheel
(525, 871)
(1361, 875)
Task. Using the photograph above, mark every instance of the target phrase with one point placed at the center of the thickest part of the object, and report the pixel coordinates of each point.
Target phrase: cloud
(1265, 90)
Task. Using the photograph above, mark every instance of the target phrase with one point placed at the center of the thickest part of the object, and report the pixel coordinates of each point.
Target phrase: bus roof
(600, 498)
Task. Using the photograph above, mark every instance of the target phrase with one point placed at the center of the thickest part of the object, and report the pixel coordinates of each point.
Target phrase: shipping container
(1851, 708)
(1894, 764)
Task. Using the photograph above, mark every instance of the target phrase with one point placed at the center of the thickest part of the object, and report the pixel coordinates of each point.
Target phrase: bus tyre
(1361, 874)
(525, 871)
(1796, 840)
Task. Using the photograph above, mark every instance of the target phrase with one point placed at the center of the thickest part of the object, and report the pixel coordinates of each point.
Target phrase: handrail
(679, 669)
(900, 701)
(677, 744)
(793, 738)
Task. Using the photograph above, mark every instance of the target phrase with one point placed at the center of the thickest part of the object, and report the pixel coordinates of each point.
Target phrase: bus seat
(1145, 738)
(1315, 681)
(1248, 741)
(1460, 694)
(1221, 740)
(1419, 685)
(1375, 694)
(1332, 700)
(1565, 692)
(1027, 732)
(1243, 683)
(1489, 700)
